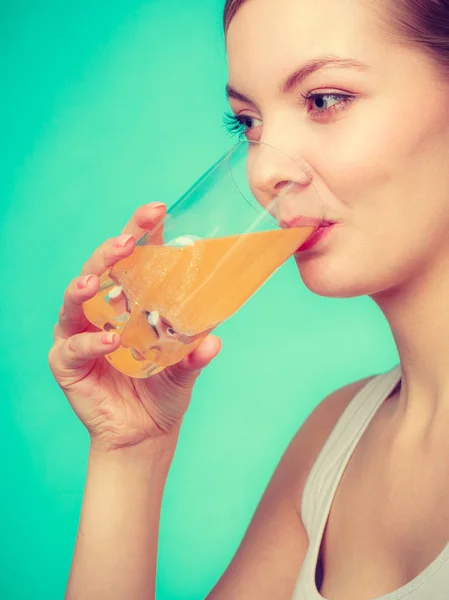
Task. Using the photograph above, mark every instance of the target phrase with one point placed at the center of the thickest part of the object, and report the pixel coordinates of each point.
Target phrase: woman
(358, 507)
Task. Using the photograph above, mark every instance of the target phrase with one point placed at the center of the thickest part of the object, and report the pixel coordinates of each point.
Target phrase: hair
(423, 23)
(230, 10)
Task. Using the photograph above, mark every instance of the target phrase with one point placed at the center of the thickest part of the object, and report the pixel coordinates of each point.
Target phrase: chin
(331, 281)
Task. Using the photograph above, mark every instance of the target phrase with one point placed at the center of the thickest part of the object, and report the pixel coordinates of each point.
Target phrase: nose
(279, 184)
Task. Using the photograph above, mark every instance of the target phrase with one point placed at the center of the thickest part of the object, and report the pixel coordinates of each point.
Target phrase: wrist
(160, 449)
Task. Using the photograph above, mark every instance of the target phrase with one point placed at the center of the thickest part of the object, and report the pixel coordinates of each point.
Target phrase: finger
(184, 373)
(202, 355)
(72, 319)
(147, 220)
(72, 360)
(113, 250)
(108, 254)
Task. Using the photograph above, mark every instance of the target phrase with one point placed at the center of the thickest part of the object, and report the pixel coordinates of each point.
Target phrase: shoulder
(310, 438)
(268, 560)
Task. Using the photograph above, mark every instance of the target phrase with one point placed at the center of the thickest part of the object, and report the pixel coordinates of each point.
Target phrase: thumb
(203, 354)
(187, 370)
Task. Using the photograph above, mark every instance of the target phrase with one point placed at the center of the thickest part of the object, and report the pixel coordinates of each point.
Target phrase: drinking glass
(213, 249)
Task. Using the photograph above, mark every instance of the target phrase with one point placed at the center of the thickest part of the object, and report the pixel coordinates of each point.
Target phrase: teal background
(101, 104)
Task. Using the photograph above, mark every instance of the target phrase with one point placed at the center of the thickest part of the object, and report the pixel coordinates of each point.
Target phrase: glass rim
(226, 158)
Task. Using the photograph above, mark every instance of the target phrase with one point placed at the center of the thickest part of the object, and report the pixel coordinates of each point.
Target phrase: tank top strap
(331, 462)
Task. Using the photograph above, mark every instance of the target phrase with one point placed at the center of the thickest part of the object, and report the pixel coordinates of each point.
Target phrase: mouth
(322, 229)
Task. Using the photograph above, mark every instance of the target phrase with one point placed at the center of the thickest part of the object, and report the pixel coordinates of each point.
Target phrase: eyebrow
(305, 71)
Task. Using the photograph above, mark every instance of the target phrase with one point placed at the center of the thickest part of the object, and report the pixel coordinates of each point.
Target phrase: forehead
(273, 36)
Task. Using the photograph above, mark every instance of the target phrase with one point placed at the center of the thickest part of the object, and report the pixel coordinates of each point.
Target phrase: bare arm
(116, 549)
(133, 426)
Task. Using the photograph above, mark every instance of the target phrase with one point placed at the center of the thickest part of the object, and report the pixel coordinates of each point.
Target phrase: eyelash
(235, 124)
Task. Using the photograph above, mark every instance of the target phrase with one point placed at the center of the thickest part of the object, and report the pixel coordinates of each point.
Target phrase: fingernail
(108, 338)
(122, 240)
(155, 205)
(83, 282)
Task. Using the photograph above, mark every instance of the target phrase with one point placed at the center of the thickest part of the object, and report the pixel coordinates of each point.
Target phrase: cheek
(381, 162)
(360, 267)
(382, 128)
(392, 197)
(354, 264)
(368, 256)
(383, 171)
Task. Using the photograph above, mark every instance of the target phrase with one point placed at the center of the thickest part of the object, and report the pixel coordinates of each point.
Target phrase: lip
(301, 221)
(323, 229)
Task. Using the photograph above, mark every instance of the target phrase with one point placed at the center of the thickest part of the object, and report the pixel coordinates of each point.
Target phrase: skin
(379, 164)
(133, 427)
(374, 160)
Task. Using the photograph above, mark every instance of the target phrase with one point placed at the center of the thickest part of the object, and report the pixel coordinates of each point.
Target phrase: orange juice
(163, 300)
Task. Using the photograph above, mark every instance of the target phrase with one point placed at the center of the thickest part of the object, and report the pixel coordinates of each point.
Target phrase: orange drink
(163, 300)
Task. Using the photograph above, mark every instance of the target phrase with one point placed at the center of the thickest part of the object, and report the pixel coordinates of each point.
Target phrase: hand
(119, 411)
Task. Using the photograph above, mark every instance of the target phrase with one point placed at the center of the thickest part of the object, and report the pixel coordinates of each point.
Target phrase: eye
(171, 331)
(325, 105)
(239, 124)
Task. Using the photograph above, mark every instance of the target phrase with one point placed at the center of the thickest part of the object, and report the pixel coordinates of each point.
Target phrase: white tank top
(321, 486)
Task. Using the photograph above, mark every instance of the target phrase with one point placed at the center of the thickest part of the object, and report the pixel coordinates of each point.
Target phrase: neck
(418, 314)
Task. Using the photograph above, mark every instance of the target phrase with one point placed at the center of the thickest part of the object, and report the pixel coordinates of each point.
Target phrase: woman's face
(373, 126)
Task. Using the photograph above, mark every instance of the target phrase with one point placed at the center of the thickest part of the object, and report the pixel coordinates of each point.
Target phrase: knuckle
(72, 346)
(180, 377)
(138, 215)
(109, 256)
(112, 253)
(102, 258)
(62, 316)
(72, 289)
(103, 254)
(51, 357)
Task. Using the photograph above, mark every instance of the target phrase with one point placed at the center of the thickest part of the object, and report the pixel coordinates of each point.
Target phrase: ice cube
(114, 293)
(183, 240)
